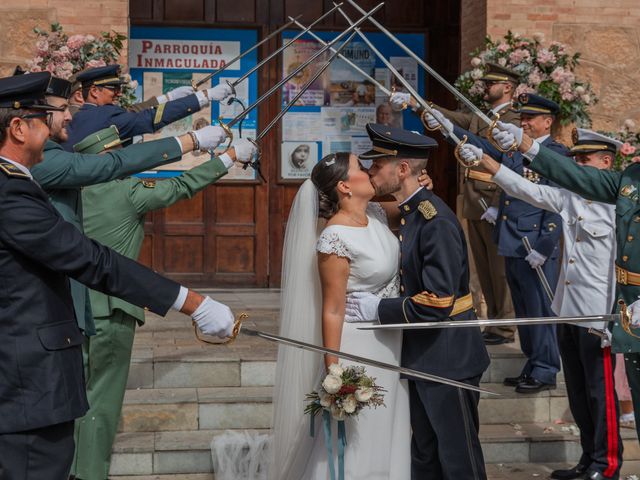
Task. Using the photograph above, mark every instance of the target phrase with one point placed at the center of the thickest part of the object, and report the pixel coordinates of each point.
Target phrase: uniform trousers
(107, 356)
(445, 424)
(42, 453)
(538, 342)
(491, 275)
(632, 367)
(588, 373)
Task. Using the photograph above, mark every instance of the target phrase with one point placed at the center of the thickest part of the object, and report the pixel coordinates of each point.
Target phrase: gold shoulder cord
(625, 320)
(235, 332)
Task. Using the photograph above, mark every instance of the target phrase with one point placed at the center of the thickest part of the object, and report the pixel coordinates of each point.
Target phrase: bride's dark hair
(325, 176)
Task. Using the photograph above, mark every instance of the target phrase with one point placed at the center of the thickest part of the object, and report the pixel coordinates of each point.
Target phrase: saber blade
(499, 322)
(247, 52)
(366, 361)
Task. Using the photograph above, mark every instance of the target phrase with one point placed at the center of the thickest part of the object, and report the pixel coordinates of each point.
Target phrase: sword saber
(405, 83)
(245, 53)
(384, 89)
(543, 278)
(491, 123)
(366, 361)
(276, 52)
(227, 126)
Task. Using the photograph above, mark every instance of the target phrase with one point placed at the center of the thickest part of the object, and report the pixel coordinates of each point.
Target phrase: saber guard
(496, 119)
(456, 153)
(625, 319)
(237, 326)
(425, 124)
(229, 133)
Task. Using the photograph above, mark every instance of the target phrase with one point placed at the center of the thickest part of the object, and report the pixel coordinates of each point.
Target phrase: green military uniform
(621, 189)
(62, 174)
(478, 185)
(114, 215)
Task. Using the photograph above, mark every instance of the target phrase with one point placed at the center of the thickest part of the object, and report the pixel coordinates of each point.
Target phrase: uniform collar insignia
(11, 170)
(427, 209)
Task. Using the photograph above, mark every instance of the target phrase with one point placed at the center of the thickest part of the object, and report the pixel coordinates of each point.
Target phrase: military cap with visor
(396, 142)
(498, 73)
(26, 92)
(588, 141)
(108, 76)
(532, 104)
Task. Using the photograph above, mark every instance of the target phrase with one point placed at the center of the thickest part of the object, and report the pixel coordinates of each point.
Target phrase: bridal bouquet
(344, 392)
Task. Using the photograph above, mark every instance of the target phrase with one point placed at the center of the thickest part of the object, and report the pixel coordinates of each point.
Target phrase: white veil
(297, 371)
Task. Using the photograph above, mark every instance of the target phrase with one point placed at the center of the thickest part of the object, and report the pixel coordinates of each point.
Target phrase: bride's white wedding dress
(378, 440)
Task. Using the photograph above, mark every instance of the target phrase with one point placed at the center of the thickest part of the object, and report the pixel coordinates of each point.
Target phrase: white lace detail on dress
(375, 210)
(391, 290)
(331, 243)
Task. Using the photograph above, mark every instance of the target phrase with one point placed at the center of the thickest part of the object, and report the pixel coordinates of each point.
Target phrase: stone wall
(19, 17)
(606, 32)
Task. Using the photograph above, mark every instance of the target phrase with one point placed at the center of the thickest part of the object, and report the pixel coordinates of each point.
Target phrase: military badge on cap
(588, 141)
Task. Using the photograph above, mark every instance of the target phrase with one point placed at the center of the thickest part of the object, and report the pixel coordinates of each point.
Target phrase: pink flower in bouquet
(502, 62)
(477, 89)
(546, 58)
(61, 53)
(50, 67)
(95, 63)
(477, 73)
(580, 90)
(535, 77)
(635, 159)
(518, 56)
(560, 76)
(523, 88)
(559, 46)
(64, 70)
(476, 62)
(522, 44)
(627, 149)
(89, 38)
(586, 98)
(42, 47)
(503, 47)
(76, 41)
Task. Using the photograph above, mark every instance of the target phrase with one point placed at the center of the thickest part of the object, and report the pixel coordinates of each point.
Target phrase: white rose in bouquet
(364, 394)
(349, 404)
(337, 412)
(332, 384)
(336, 369)
(325, 399)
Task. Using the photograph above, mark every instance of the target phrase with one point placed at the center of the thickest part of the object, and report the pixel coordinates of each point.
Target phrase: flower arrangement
(548, 70)
(64, 55)
(344, 392)
(630, 151)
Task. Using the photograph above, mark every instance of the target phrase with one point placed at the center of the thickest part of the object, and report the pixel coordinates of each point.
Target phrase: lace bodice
(373, 253)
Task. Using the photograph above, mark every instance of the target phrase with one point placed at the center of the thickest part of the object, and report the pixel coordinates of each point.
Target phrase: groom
(434, 285)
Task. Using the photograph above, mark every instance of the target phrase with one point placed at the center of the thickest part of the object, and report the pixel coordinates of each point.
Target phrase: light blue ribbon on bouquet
(328, 441)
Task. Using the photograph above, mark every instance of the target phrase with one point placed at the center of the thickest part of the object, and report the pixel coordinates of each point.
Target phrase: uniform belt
(482, 176)
(461, 305)
(625, 277)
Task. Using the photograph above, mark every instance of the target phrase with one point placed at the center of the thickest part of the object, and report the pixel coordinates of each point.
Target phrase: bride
(356, 251)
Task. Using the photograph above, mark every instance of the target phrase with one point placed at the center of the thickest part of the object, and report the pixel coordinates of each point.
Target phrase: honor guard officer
(500, 84)
(61, 174)
(114, 215)
(101, 88)
(42, 380)
(434, 285)
(586, 287)
(516, 220)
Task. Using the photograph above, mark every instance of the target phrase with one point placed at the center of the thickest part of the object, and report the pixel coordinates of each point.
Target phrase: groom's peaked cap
(396, 142)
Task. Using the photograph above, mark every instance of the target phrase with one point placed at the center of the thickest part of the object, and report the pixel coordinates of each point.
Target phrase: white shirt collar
(542, 138)
(500, 107)
(411, 196)
(21, 167)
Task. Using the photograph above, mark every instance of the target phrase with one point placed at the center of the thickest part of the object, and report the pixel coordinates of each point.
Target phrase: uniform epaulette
(427, 209)
(11, 170)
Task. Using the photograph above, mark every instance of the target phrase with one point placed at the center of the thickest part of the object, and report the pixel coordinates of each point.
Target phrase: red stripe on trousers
(612, 421)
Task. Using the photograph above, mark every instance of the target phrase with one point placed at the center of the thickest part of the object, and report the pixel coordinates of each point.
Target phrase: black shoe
(531, 385)
(514, 381)
(595, 475)
(495, 339)
(575, 472)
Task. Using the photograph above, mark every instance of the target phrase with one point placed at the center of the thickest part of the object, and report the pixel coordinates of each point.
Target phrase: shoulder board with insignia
(11, 170)
(427, 209)
(149, 183)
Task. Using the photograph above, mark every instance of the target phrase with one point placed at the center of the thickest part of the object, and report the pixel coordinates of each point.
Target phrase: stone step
(188, 452)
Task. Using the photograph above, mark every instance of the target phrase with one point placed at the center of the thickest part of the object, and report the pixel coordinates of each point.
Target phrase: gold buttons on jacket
(402, 288)
(402, 221)
(580, 219)
(567, 282)
(504, 217)
(507, 203)
(400, 237)
(629, 238)
(407, 208)
(68, 340)
(165, 156)
(571, 260)
(636, 219)
(578, 239)
(400, 271)
(625, 258)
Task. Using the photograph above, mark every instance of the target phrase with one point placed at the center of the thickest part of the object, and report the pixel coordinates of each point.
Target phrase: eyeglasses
(490, 83)
(45, 115)
(114, 88)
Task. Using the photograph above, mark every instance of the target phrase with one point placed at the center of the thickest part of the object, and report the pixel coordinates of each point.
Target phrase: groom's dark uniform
(434, 273)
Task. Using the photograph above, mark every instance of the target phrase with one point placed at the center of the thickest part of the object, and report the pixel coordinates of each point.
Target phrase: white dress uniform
(586, 286)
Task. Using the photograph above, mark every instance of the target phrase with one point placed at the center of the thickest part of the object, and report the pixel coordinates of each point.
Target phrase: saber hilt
(541, 276)
(494, 124)
(255, 164)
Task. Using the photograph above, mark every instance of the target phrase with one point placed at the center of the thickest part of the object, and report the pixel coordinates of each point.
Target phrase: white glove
(399, 101)
(214, 318)
(605, 341)
(245, 150)
(490, 215)
(219, 92)
(506, 134)
(470, 153)
(535, 259)
(361, 307)
(180, 92)
(210, 137)
(634, 312)
(437, 119)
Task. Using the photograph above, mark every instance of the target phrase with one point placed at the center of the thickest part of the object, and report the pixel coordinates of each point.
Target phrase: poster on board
(340, 103)
(161, 59)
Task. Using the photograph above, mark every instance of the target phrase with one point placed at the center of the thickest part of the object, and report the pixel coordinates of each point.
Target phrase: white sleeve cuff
(162, 99)
(203, 100)
(182, 297)
(226, 159)
(532, 152)
(501, 176)
(179, 143)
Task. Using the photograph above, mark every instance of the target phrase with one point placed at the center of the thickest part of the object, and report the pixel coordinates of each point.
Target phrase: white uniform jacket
(586, 285)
